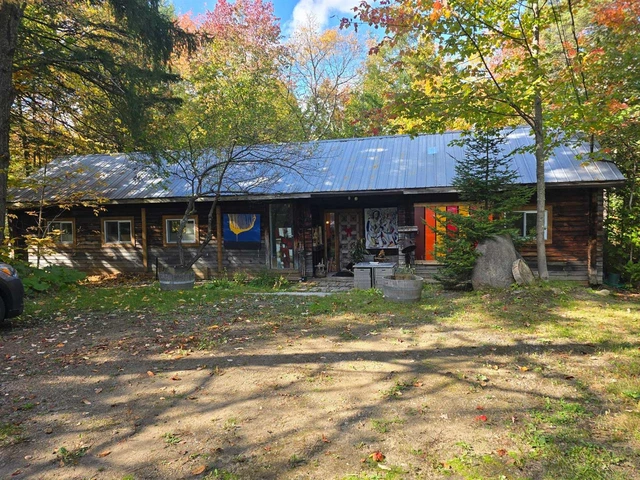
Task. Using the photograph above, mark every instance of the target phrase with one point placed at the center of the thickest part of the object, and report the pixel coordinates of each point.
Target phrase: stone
(603, 293)
(522, 273)
(493, 268)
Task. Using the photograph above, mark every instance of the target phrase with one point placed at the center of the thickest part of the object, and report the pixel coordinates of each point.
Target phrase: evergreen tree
(485, 180)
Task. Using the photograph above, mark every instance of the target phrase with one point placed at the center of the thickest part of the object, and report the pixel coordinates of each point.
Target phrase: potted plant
(403, 286)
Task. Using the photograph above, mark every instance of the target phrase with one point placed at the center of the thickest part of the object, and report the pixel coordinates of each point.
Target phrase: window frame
(58, 240)
(103, 232)
(165, 230)
(548, 221)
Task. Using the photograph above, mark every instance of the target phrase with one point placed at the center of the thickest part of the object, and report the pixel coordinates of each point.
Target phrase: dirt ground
(239, 390)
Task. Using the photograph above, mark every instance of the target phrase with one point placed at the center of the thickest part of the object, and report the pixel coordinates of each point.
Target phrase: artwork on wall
(241, 231)
(381, 227)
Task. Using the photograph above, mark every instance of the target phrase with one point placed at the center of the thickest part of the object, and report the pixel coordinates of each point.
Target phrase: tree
(229, 135)
(495, 69)
(611, 64)
(68, 65)
(322, 70)
(484, 178)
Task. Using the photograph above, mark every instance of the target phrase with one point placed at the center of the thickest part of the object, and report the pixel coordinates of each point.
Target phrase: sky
(292, 13)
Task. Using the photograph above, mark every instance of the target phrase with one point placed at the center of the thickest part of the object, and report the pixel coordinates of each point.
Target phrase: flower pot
(176, 278)
(402, 289)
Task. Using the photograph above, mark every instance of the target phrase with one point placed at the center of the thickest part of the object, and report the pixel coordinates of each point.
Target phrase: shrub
(48, 278)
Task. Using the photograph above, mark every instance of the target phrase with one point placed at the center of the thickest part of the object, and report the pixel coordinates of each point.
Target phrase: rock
(493, 268)
(522, 273)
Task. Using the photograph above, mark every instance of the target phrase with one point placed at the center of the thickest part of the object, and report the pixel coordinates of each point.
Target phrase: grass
(382, 425)
(547, 323)
(10, 434)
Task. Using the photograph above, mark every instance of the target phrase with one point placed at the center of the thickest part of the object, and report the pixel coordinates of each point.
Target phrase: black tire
(3, 310)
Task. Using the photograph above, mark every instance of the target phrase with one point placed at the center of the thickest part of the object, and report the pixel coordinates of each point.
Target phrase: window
(525, 222)
(282, 252)
(118, 231)
(63, 231)
(172, 228)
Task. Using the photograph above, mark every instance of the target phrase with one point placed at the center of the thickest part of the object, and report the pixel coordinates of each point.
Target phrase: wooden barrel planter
(404, 289)
(173, 278)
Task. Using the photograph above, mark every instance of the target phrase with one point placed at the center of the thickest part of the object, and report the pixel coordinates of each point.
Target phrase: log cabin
(112, 214)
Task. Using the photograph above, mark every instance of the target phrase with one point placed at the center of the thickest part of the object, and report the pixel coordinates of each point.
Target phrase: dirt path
(261, 397)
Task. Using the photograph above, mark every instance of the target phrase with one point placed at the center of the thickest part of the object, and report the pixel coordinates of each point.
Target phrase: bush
(48, 278)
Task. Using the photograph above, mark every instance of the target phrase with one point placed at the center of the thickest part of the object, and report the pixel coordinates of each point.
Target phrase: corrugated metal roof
(400, 163)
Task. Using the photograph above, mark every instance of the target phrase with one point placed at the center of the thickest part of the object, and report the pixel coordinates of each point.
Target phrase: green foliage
(486, 180)
(10, 434)
(358, 251)
(269, 279)
(70, 457)
(49, 278)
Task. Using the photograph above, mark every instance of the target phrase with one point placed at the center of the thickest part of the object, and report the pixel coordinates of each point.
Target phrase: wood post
(219, 237)
(145, 253)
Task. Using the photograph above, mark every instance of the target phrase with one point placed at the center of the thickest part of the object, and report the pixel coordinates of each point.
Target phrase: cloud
(319, 12)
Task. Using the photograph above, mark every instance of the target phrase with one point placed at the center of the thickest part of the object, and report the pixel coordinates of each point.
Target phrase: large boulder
(493, 269)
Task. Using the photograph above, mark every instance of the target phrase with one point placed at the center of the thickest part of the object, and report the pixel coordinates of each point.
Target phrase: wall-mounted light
(355, 198)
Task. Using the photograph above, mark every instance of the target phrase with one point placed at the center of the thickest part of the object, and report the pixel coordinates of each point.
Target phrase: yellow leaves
(329, 36)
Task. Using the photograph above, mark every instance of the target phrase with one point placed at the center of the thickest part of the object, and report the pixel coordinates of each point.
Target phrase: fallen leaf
(86, 402)
(501, 452)
(175, 378)
(198, 470)
(325, 439)
(479, 407)
(48, 431)
(377, 456)
(569, 377)
(104, 453)
(524, 369)
(151, 374)
(98, 390)
(481, 418)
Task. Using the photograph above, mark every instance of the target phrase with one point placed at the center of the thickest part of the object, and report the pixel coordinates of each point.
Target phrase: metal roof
(375, 164)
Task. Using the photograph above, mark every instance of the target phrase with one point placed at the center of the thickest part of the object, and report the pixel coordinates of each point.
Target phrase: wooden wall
(574, 253)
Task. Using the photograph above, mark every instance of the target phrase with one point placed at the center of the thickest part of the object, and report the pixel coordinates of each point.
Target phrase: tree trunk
(541, 194)
(10, 16)
(538, 128)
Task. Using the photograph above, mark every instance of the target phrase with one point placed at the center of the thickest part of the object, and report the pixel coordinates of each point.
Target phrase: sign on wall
(241, 231)
(381, 227)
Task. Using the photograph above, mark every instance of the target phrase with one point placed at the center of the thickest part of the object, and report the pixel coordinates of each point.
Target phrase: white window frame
(547, 229)
(58, 238)
(191, 220)
(119, 221)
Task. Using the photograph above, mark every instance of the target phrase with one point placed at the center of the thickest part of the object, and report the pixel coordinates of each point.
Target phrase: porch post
(145, 253)
(219, 237)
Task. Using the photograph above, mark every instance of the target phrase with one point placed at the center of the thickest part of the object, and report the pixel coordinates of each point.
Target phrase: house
(363, 188)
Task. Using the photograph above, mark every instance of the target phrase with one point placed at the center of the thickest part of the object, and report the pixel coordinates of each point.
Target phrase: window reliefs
(171, 227)
(63, 231)
(524, 221)
(117, 231)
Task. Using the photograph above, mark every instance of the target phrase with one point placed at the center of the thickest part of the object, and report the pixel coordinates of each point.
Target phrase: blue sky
(292, 13)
